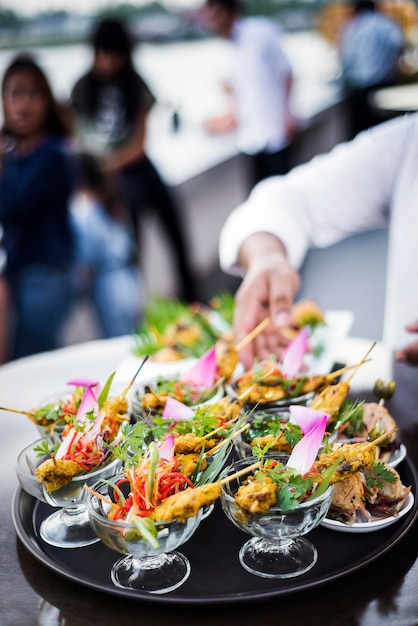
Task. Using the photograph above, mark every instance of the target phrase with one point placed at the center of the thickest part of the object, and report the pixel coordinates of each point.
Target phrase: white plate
(397, 456)
(369, 527)
(327, 337)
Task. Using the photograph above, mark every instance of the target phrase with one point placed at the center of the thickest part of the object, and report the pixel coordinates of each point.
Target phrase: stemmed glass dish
(69, 526)
(277, 548)
(149, 399)
(51, 412)
(156, 566)
(264, 427)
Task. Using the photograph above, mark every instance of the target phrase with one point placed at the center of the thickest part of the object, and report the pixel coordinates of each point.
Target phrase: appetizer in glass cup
(55, 472)
(147, 511)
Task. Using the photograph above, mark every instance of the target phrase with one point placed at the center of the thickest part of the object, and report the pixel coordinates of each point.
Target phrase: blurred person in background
(260, 88)
(111, 103)
(362, 185)
(36, 183)
(106, 270)
(370, 47)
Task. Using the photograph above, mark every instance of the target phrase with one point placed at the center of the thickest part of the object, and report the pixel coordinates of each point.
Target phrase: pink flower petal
(88, 404)
(203, 372)
(305, 451)
(177, 410)
(83, 382)
(292, 360)
(166, 448)
(305, 417)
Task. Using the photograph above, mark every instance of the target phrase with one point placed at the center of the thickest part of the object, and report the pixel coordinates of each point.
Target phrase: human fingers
(408, 354)
(282, 290)
(412, 328)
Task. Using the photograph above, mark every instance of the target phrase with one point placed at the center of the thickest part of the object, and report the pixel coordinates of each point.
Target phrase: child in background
(107, 269)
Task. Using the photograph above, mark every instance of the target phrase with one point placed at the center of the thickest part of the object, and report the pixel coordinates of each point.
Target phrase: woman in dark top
(35, 188)
(111, 104)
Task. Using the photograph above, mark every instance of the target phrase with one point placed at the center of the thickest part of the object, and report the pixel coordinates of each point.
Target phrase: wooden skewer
(337, 373)
(222, 443)
(383, 437)
(228, 479)
(251, 335)
(28, 413)
(214, 432)
(363, 360)
(248, 391)
(144, 360)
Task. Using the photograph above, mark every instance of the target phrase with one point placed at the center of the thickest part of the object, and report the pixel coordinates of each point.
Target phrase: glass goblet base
(279, 559)
(68, 528)
(154, 574)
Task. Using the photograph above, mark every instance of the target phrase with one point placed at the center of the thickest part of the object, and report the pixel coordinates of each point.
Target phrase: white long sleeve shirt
(261, 75)
(368, 183)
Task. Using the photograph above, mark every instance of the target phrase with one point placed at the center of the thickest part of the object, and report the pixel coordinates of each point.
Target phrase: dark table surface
(380, 593)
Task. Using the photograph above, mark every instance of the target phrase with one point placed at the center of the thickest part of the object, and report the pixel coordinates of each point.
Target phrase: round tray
(217, 576)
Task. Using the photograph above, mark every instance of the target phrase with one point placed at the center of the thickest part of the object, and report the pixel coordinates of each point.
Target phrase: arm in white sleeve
(347, 191)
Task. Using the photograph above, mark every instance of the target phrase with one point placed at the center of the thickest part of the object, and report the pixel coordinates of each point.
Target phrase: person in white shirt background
(260, 88)
(370, 46)
(367, 183)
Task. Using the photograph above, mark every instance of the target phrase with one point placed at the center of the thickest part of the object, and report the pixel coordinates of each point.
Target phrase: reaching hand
(268, 289)
(409, 354)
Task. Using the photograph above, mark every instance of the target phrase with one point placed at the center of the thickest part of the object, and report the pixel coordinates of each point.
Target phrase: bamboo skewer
(28, 413)
(363, 360)
(251, 335)
(245, 470)
(125, 391)
(31, 414)
(216, 430)
(248, 391)
(222, 443)
(342, 370)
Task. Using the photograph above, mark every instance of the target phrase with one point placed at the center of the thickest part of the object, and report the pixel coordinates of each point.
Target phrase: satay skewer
(217, 430)
(363, 360)
(247, 392)
(30, 414)
(222, 443)
(131, 382)
(253, 334)
(239, 473)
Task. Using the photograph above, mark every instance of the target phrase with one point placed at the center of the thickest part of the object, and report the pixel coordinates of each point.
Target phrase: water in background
(188, 76)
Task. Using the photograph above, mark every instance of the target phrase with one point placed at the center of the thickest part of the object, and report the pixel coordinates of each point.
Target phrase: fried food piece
(228, 407)
(389, 498)
(280, 444)
(188, 463)
(330, 399)
(168, 354)
(256, 496)
(304, 313)
(184, 333)
(273, 387)
(184, 504)
(55, 473)
(153, 401)
(226, 358)
(378, 419)
(185, 444)
(307, 312)
(116, 408)
(347, 499)
(355, 457)
(348, 494)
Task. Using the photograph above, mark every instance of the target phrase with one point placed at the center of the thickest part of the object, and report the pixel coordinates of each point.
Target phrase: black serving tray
(217, 576)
